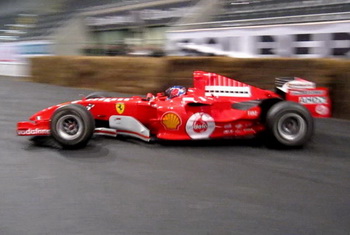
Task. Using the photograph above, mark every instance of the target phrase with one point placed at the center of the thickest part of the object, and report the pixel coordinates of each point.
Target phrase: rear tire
(72, 126)
(289, 124)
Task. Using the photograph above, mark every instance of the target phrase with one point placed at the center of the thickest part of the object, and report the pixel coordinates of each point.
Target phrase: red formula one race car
(216, 107)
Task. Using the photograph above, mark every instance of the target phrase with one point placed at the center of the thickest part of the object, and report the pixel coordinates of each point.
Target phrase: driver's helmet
(175, 91)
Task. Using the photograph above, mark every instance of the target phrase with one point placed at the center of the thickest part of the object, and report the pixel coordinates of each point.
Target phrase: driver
(175, 91)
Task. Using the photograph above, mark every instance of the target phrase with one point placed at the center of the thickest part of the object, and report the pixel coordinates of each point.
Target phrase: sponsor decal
(253, 113)
(228, 126)
(300, 85)
(200, 126)
(36, 131)
(120, 107)
(171, 121)
(90, 106)
(229, 132)
(322, 110)
(107, 100)
(228, 91)
(238, 126)
(313, 100)
(308, 92)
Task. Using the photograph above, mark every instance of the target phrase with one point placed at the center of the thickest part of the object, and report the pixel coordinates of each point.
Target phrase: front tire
(72, 126)
(97, 94)
(289, 124)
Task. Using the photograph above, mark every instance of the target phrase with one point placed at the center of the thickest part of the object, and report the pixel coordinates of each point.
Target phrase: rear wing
(284, 84)
(315, 99)
(212, 84)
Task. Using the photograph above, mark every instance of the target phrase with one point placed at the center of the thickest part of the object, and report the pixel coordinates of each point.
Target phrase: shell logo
(171, 121)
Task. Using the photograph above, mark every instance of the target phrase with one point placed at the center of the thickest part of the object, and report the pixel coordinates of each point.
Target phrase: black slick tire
(72, 126)
(289, 124)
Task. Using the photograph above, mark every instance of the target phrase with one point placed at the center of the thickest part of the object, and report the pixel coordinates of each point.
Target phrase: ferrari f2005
(216, 107)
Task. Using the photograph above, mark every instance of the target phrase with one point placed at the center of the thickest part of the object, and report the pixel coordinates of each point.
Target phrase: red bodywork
(216, 107)
(316, 100)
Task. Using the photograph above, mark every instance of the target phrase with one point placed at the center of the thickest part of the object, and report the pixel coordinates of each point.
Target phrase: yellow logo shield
(120, 107)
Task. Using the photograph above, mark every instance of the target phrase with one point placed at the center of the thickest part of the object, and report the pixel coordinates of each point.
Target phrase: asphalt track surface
(130, 187)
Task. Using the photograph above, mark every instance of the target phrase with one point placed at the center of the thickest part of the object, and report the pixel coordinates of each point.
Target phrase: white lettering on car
(253, 113)
(36, 131)
(313, 100)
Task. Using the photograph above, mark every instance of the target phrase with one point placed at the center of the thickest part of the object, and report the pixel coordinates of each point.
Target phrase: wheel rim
(291, 126)
(69, 127)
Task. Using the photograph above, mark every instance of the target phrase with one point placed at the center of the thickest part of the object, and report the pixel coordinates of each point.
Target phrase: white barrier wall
(307, 40)
(14, 56)
(14, 69)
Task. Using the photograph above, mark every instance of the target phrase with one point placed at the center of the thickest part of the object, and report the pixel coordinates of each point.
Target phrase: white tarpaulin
(307, 40)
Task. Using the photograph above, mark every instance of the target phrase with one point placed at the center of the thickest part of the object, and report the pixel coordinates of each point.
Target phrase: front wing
(41, 128)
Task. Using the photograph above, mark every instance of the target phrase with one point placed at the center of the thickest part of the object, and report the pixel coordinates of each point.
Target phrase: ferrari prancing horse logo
(120, 107)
